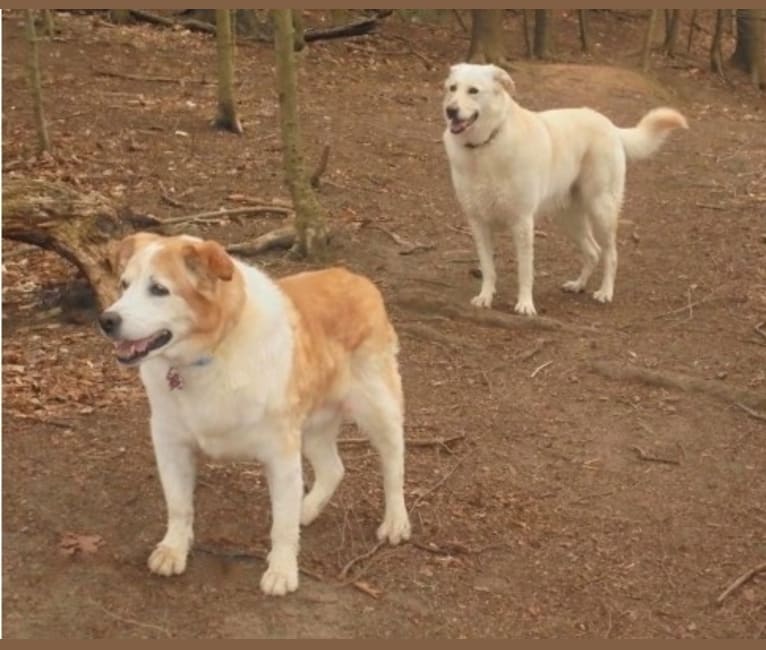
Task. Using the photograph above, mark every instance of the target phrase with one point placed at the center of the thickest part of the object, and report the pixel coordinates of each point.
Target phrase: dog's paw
(483, 301)
(280, 578)
(310, 509)
(573, 286)
(525, 307)
(602, 296)
(167, 561)
(395, 528)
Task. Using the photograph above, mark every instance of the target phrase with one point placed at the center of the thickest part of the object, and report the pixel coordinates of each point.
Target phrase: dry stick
(231, 212)
(759, 328)
(751, 412)
(428, 442)
(350, 564)
(408, 246)
(642, 455)
(688, 306)
(251, 555)
(748, 575)
(539, 368)
(679, 381)
(138, 77)
(436, 485)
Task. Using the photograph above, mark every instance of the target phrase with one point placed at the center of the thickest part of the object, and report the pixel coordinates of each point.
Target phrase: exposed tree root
(278, 238)
(679, 381)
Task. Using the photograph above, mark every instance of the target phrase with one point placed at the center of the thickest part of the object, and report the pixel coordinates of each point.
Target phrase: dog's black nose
(110, 322)
(452, 112)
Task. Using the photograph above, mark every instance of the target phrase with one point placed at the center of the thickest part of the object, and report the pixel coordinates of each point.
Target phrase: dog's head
(475, 92)
(178, 295)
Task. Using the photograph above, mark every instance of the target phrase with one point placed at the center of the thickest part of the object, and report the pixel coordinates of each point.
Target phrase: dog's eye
(473, 90)
(158, 290)
(453, 88)
(124, 284)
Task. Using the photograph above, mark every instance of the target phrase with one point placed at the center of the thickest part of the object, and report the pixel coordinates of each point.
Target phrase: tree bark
(487, 44)
(672, 28)
(50, 24)
(582, 16)
(227, 110)
(78, 226)
(33, 68)
(646, 56)
(749, 51)
(525, 23)
(310, 220)
(543, 43)
(120, 16)
(716, 62)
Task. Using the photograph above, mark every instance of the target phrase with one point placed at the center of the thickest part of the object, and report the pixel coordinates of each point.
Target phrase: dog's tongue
(130, 348)
(458, 126)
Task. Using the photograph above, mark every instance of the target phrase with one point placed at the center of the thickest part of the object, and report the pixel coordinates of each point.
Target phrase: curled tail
(647, 136)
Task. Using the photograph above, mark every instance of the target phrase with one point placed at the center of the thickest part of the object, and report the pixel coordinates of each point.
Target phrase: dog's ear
(120, 252)
(504, 79)
(208, 259)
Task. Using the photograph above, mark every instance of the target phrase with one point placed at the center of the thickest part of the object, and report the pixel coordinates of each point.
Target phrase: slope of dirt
(567, 504)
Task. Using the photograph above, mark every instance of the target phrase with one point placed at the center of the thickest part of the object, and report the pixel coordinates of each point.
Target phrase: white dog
(510, 164)
(239, 366)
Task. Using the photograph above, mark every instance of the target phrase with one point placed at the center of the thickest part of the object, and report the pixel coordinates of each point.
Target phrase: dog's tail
(644, 139)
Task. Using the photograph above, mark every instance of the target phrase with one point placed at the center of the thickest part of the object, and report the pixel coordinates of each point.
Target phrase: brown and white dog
(240, 366)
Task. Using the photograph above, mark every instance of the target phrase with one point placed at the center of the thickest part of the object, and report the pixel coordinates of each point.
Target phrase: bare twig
(250, 554)
(407, 246)
(139, 77)
(359, 558)
(230, 212)
(427, 442)
(642, 455)
(759, 329)
(366, 589)
(688, 306)
(539, 368)
(748, 575)
(435, 486)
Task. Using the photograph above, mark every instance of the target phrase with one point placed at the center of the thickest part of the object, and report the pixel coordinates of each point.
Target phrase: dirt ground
(562, 503)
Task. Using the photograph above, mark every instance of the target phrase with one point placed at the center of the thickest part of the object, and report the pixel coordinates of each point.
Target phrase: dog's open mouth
(132, 351)
(458, 126)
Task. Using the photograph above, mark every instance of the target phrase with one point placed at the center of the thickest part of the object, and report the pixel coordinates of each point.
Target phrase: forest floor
(563, 502)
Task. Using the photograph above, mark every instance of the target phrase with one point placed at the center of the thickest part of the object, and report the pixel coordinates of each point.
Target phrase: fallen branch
(359, 558)
(423, 331)
(748, 575)
(138, 77)
(435, 486)
(407, 246)
(679, 381)
(539, 368)
(430, 304)
(428, 442)
(277, 238)
(131, 621)
(356, 28)
(189, 23)
(249, 555)
(642, 455)
(230, 212)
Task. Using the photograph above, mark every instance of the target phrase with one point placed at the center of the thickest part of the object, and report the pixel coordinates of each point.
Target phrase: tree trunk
(120, 16)
(299, 31)
(582, 15)
(525, 22)
(50, 24)
(716, 62)
(33, 66)
(78, 226)
(692, 27)
(646, 56)
(748, 53)
(227, 110)
(310, 220)
(487, 44)
(672, 28)
(543, 44)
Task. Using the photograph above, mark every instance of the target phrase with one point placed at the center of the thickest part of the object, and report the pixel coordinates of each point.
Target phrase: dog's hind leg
(377, 406)
(575, 223)
(320, 447)
(523, 230)
(604, 214)
(482, 237)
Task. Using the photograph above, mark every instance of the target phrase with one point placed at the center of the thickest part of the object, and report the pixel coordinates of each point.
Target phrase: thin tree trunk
(672, 27)
(748, 53)
(543, 45)
(310, 220)
(43, 143)
(582, 15)
(646, 56)
(526, 27)
(487, 45)
(50, 24)
(227, 110)
(716, 62)
(692, 27)
(299, 30)
(120, 16)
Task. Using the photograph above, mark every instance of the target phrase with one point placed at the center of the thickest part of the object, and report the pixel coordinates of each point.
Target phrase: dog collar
(175, 380)
(471, 145)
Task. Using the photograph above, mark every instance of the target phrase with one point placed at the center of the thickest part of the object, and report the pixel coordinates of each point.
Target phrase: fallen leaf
(71, 543)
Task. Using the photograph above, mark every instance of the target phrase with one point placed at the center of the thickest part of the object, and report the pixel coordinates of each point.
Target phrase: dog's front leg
(523, 230)
(482, 236)
(176, 465)
(284, 475)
